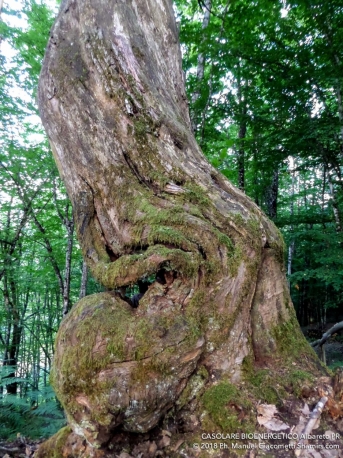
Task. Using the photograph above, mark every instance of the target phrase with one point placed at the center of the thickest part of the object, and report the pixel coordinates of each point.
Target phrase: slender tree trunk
(149, 207)
(51, 256)
(338, 88)
(242, 107)
(335, 207)
(272, 194)
(64, 283)
(14, 336)
(69, 224)
(201, 56)
(198, 117)
(256, 172)
(84, 278)
(340, 107)
(200, 67)
(241, 152)
(13, 240)
(291, 245)
(324, 189)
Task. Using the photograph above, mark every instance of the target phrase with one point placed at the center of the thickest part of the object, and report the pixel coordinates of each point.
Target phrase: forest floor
(334, 354)
(21, 447)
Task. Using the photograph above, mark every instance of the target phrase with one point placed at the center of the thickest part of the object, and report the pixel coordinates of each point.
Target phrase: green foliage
(34, 212)
(32, 413)
(335, 365)
(269, 106)
(31, 43)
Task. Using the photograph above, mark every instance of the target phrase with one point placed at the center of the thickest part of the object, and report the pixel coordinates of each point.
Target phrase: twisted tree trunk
(146, 202)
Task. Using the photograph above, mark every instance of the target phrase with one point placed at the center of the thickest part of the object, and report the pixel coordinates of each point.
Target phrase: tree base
(212, 421)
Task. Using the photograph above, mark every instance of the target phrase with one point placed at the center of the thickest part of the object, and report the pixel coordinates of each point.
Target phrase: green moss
(194, 388)
(128, 269)
(141, 128)
(215, 400)
(152, 214)
(238, 219)
(172, 226)
(196, 320)
(224, 240)
(53, 447)
(271, 386)
(223, 403)
(248, 366)
(95, 337)
(105, 322)
(165, 234)
(254, 226)
(197, 195)
(279, 247)
(145, 370)
(235, 258)
(291, 342)
(161, 178)
(102, 320)
(265, 382)
(297, 378)
(202, 372)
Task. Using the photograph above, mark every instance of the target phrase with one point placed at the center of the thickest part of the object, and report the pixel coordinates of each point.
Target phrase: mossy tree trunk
(145, 200)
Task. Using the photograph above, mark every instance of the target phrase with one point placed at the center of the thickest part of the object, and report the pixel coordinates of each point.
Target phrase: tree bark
(291, 245)
(15, 329)
(335, 207)
(242, 107)
(272, 194)
(69, 224)
(241, 152)
(84, 278)
(147, 203)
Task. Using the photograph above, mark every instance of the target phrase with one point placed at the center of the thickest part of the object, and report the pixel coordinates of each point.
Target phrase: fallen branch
(327, 334)
(315, 414)
(9, 450)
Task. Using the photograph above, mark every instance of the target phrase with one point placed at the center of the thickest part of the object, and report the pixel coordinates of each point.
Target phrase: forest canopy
(264, 84)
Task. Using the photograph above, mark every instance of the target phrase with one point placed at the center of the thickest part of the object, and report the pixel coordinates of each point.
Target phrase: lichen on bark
(145, 201)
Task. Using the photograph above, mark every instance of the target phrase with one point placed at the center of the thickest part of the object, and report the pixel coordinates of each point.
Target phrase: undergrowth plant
(30, 413)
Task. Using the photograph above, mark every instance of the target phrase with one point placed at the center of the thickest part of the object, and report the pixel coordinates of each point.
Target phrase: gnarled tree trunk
(147, 203)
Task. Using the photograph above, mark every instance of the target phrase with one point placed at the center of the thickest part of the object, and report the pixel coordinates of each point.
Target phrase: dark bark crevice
(141, 178)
